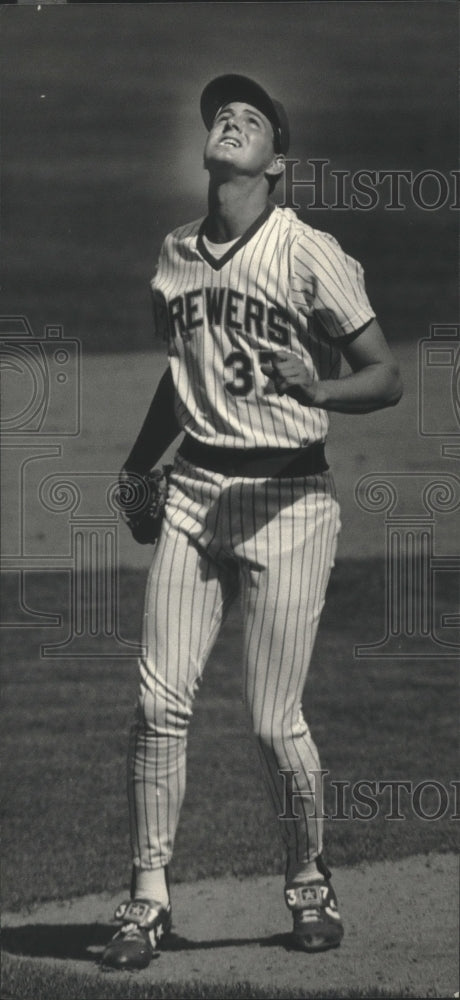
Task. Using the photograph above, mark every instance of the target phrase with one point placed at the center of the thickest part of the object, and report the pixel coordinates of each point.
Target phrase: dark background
(102, 146)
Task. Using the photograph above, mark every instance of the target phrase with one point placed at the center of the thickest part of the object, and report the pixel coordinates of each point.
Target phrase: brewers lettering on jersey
(256, 308)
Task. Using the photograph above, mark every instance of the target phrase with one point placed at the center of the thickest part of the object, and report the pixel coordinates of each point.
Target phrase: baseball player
(257, 308)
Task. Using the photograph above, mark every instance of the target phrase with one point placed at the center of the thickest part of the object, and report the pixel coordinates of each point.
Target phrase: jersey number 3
(242, 381)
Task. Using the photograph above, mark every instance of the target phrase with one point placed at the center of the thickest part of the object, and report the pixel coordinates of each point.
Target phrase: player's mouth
(229, 141)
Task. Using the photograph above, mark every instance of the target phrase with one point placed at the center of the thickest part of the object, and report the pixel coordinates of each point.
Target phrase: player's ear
(277, 166)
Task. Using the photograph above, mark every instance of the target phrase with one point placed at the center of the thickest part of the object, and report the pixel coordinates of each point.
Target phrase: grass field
(45, 985)
(65, 722)
(64, 735)
(64, 742)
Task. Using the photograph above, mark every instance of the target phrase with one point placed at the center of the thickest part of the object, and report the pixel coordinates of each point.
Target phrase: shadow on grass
(85, 942)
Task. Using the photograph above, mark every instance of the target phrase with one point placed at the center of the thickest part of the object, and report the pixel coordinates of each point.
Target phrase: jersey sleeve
(330, 284)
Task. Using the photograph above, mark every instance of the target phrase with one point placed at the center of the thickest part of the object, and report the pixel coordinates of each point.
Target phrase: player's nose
(232, 123)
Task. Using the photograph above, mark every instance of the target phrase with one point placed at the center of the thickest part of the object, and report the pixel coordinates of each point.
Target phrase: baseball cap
(233, 87)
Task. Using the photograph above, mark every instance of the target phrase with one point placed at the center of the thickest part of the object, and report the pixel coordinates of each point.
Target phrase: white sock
(304, 872)
(151, 884)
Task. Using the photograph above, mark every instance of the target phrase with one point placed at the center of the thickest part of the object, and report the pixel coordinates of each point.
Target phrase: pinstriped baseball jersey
(282, 285)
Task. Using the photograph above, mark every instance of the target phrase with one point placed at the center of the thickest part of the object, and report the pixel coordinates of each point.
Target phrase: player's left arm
(374, 382)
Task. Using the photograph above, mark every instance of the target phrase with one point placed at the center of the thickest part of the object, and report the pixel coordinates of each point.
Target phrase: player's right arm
(159, 430)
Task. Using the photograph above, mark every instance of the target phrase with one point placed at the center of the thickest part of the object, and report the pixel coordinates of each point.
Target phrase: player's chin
(220, 154)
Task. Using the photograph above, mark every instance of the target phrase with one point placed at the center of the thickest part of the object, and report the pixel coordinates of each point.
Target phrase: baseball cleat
(144, 924)
(317, 922)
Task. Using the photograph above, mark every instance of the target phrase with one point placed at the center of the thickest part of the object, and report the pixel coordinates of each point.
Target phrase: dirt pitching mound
(401, 931)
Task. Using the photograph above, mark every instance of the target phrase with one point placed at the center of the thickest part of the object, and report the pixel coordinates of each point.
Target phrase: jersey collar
(218, 262)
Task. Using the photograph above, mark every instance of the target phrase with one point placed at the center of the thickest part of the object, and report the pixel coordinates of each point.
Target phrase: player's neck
(233, 206)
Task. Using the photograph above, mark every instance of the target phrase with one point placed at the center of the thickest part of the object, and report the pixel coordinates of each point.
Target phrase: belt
(255, 463)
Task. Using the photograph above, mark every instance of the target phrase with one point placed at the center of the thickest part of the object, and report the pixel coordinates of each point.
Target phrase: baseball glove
(142, 501)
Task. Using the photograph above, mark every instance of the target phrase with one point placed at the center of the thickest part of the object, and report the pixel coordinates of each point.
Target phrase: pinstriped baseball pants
(272, 544)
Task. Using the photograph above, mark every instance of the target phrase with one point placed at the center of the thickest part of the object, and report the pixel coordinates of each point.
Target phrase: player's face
(242, 138)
